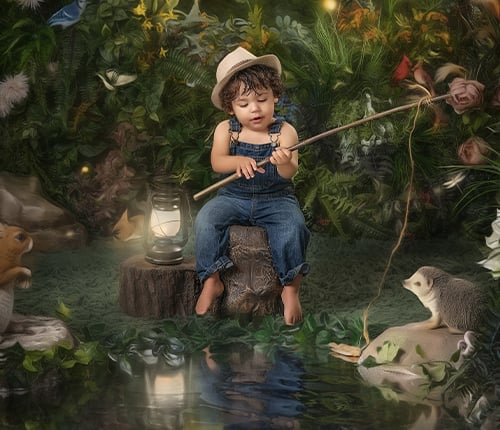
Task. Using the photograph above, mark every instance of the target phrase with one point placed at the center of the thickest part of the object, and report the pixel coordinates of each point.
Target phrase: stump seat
(251, 286)
(162, 291)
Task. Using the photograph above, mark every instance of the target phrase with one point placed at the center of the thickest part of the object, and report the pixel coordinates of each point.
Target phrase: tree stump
(161, 291)
(251, 286)
(158, 291)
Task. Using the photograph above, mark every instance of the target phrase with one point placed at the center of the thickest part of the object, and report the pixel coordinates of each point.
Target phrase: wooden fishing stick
(327, 133)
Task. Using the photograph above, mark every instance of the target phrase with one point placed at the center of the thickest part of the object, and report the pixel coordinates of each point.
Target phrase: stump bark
(157, 291)
(251, 285)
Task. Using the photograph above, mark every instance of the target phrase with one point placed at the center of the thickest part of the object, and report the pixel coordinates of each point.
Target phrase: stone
(407, 356)
(23, 203)
(35, 333)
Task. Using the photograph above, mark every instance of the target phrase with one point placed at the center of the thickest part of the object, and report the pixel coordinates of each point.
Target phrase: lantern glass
(166, 229)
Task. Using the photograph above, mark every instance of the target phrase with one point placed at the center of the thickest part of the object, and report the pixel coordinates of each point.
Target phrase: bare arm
(287, 162)
(223, 162)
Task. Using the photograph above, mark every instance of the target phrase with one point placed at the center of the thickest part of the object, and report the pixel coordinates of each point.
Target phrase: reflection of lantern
(165, 222)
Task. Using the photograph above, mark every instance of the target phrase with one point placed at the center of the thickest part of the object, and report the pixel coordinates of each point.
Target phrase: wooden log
(158, 291)
(251, 286)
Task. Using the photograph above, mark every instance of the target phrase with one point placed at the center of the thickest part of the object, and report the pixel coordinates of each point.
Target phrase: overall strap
(234, 131)
(274, 130)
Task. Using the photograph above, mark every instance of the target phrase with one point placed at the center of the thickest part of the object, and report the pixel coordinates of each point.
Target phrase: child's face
(255, 110)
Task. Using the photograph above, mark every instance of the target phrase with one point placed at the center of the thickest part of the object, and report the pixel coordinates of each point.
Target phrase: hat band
(240, 63)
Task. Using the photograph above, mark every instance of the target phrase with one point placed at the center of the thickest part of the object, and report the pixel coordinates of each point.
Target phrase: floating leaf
(419, 350)
(388, 351)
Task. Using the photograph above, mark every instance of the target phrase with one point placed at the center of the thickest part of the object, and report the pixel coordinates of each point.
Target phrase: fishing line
(403, 227)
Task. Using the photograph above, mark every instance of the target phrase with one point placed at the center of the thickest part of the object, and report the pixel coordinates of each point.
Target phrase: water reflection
(238, 388)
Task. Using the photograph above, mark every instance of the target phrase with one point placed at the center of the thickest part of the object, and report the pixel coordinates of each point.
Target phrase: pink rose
(465, 95)
(473, 151)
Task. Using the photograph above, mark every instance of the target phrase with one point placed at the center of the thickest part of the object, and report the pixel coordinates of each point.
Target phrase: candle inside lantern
(165, 223)
(165, 229)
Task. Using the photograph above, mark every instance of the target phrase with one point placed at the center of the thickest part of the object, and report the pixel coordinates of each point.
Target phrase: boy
(247, 88)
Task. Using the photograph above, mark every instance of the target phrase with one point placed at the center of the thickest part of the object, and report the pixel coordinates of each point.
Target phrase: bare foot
(292, 310)
(212, 288)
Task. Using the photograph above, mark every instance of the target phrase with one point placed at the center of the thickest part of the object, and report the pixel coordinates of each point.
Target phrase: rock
(35, 333)
(409, 357)
(52, 227)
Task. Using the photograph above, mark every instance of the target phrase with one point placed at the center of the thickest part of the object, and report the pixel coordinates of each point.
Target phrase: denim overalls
(266, 200)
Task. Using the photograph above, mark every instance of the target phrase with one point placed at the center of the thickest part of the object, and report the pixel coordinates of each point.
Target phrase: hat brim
(269, 60)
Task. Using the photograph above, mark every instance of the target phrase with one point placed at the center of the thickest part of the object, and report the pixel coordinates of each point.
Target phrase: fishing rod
(327, 133)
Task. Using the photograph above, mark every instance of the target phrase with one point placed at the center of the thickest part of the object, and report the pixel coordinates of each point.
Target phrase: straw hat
(235, 61)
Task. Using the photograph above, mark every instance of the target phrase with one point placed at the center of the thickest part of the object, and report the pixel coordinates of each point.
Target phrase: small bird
(112, 79)
(402, 70)
(68, 15)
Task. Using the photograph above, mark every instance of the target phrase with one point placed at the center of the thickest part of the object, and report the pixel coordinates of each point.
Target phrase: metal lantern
(165, 221)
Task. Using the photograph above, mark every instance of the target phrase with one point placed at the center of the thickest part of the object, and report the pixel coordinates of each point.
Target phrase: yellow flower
(264, 35)
(159, 27)
(147, 24)
(445, 37)
(163, 52)
(142, 64)
(246, 45)
(140, 10)
(436, 16)
(168, 15)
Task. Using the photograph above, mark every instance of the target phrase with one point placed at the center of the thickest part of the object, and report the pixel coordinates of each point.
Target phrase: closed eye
(418, 284)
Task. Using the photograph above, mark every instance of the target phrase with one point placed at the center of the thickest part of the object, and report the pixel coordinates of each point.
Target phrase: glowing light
(330, 5)
(85, 170)
(165, 223)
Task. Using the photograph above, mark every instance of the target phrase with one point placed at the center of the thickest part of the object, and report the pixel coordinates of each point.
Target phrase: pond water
(246, 391)
(237, 386)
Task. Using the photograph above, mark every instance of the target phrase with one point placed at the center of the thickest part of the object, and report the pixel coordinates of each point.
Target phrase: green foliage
(338, 68)
(132, 349)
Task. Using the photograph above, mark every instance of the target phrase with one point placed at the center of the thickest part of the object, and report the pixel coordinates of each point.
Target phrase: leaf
(436, 370)
(388, 351)
(419, 351)
(29, 364)
(125, 365)
(68, 364)
(63, 311)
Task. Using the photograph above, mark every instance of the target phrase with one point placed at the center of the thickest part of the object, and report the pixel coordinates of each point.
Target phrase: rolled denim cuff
(223, 262)
(301, 269)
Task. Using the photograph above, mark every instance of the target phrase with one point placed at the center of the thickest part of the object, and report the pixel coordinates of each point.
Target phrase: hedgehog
(454, 302)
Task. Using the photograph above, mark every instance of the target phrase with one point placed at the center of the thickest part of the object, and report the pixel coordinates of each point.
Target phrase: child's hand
(281, 156)
(247, 167)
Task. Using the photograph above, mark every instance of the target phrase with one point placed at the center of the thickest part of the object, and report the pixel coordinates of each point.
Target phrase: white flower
(14, 89)
(31, 4)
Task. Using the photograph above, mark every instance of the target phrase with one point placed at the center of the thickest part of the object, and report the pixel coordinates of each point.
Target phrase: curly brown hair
(252, 78)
